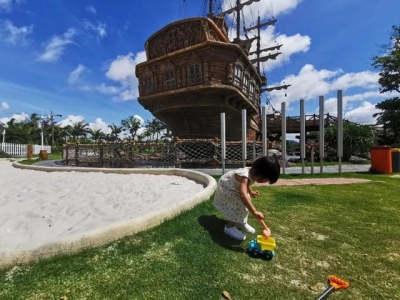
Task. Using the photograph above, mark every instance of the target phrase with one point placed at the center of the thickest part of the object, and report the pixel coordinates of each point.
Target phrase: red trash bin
(381, 159)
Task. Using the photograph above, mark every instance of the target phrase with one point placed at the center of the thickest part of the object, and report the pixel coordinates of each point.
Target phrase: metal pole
(283, 147)
(302, 134)
(238, 19)
(52, 128)
(326, 293)
(223, 142)
(244, 140)
(41, 133)
(340, 127)
(321, 134)
(312, 159)
(264, 131)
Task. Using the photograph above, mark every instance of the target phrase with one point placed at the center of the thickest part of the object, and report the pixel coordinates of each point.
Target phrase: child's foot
(246, 227)
(235, 233)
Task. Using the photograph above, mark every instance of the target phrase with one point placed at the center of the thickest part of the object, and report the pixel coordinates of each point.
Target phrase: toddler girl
(233, 195)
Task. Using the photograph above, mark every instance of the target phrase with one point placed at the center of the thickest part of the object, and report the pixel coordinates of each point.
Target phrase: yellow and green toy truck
(262, 247)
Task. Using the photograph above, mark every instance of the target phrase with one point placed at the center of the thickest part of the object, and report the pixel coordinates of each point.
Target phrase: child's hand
(267, 233)
(254, 194)
(259, 215)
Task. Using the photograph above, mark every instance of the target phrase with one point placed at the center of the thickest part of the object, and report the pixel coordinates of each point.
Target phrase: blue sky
(77, 58)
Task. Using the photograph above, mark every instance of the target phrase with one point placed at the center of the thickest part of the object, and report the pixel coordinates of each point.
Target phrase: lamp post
(3, 130)
(41, 132)
(52, 126)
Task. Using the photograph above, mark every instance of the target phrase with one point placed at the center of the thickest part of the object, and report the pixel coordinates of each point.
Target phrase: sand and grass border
(117, 230)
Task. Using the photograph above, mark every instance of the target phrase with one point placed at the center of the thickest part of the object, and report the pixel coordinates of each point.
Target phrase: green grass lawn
(351, 231)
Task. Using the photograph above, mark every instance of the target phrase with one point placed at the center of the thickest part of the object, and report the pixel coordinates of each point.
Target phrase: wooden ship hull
(193, 73)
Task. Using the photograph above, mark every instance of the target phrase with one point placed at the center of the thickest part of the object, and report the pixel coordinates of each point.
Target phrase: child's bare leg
(230, 224)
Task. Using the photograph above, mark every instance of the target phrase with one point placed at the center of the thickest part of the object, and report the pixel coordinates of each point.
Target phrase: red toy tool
(335, 283)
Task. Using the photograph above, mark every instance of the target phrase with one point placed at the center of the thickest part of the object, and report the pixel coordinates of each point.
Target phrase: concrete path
(288, 170)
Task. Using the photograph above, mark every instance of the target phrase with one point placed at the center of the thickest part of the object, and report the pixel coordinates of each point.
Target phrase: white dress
(227, 199)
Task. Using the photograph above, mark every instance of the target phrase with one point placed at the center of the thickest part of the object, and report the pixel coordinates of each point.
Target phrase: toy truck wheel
(255, 252)
(268, 255)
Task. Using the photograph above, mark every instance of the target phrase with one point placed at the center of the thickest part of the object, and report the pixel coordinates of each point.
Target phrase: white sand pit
(62, 211)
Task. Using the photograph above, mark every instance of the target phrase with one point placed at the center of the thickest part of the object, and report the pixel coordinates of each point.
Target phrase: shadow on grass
(215, 227)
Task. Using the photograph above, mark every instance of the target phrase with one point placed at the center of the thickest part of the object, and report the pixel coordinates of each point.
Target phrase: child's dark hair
(266, 167)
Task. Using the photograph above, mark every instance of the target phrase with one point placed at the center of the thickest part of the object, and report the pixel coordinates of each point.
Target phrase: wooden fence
(21, 150)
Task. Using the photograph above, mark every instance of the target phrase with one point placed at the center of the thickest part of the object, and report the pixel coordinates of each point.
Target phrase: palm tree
(96, 135)
(132, 124)
(159, 127)
(79, 129)
(66, 132)
(150, 129)
(115, 131)
(155, 127)
(58, 134)
(25, 132)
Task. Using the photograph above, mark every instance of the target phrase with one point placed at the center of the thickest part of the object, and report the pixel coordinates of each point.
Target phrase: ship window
(246, 84)
(169, 80)
(194, 74)
(147, 85)
(252, 88)
(238, 75)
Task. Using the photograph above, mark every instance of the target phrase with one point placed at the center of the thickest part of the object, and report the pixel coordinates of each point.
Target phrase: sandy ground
(38, 208)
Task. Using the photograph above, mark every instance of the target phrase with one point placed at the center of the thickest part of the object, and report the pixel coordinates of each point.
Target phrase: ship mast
(239, 6)
(259, 51)
(210, 8)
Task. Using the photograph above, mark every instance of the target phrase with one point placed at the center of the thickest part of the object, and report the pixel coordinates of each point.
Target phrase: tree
(389, 78)
(115, 131)
(389, 63)
(132, 124)
(79, 130)
(154, 127)
(66, 132)
(96, 135)
(389, 119)
(357, 139)
(24, 132)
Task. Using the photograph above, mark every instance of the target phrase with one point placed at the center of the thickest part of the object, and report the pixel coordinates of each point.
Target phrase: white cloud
(290, 45)
(54, 48)
(311, 83)
(362, 114)
(104, 89)
(91, 9)
(6, 5)
(330, 105)
(99, 124)
(70, 120)
(4, 106)
(122, 70)
(366, 79)
(13, 34)
(99, 29)
(18, 118)
(75, 75)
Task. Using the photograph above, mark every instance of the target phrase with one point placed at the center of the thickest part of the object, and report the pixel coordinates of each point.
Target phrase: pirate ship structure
(194, 72)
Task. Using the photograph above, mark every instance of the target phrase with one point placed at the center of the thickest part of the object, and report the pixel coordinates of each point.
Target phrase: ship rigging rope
(181, 8)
